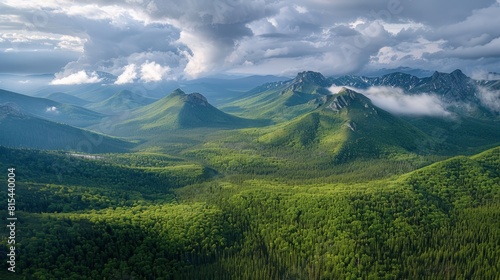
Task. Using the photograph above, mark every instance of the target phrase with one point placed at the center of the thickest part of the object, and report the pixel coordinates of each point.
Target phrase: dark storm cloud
(440, 13)
(431, 12)
(342, 31)
(197, 37)
(209, 29)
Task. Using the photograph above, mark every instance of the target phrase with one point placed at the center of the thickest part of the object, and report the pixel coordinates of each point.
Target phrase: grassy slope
(279, 101)
(32, 132)
(359, 126)
(69, 114)
(176, 112)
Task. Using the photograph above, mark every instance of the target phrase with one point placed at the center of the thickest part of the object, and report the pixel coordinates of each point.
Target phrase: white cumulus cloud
(128, 76)
(153, 72)
(77, 78)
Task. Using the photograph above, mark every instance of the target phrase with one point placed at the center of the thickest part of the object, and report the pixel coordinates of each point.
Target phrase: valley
(312, 177)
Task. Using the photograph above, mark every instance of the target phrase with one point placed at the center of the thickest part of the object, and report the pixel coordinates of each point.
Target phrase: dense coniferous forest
(127, 217)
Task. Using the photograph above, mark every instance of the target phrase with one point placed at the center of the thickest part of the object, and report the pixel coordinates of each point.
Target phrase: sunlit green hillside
(440, 221)
(179, 110)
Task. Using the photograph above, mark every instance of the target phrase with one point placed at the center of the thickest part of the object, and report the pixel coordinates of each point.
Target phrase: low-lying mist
(395, 101)
(490, 99)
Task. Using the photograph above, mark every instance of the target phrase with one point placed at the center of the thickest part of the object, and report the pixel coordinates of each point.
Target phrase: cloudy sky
(153, 40)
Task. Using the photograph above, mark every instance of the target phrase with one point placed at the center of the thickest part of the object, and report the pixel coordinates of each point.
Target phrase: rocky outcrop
(197, 99)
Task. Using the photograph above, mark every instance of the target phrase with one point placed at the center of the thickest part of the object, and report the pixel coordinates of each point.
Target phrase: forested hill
(438, 222)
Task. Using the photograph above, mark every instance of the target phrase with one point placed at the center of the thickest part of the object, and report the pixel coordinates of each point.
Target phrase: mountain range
(315, 177)
(306, 111)
(217, 88)
(452, 87)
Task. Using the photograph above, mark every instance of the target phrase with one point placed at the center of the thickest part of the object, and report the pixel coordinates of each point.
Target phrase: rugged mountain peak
(347, 91)
(397, 77)
(455, 86)
(308, 82)
(347, 98)
(458, 74)
(352, 81)
(455, 76)
(436, 75)
(177, 92)
(197, 99)
(311, 77)
(192, 98)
